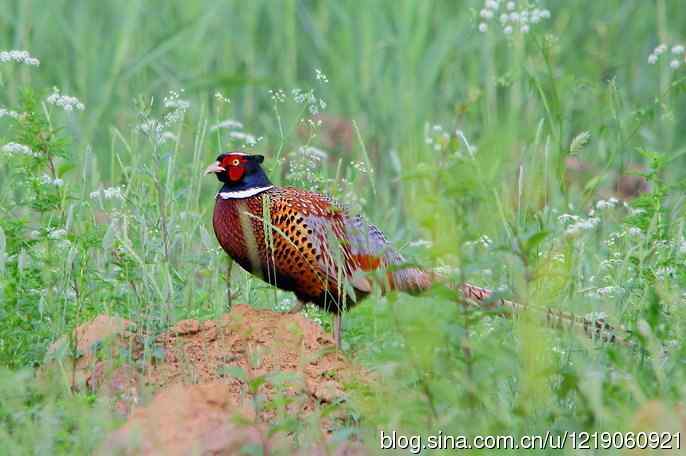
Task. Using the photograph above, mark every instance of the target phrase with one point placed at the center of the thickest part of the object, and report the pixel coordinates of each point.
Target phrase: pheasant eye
(236, 162)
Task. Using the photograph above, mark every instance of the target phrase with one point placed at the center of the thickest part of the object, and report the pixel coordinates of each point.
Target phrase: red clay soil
(211, 387)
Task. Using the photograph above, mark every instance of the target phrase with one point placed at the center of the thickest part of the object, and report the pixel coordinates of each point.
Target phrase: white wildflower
(607, 204)
(595, 316)
(320, 76)
(608, 291)
(13, 148)
(308, 98)
(485, 241)
(278, 95)
(566, 218)
(8, 113)
(678, 49)
(313, 152)
(152, 128)
(525, 29)
(483, 27)
(19, 57)
(246, 138)
(65, 102)
(582, 225)
(303, 165)
(221, 98)
(508, 30)
(634, 231)
(157, 130)
(301, 97)
(57, 233)
(486, 13)
(510, 6)
(660, 49)
(674, 64)
(47, 180)
(174, 101)
(361, 167)
(228, 124)
(108, 193)
(652, 59)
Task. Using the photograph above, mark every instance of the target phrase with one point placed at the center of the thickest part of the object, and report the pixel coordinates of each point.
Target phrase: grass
(409, 74)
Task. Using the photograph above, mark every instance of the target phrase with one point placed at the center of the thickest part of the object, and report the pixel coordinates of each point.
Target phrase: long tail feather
(597, 329)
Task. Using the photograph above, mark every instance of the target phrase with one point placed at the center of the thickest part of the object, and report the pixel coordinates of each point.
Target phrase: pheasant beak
(214, 168)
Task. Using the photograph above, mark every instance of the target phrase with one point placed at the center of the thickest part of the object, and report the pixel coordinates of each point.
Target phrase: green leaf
(535, 240)
(255, 383)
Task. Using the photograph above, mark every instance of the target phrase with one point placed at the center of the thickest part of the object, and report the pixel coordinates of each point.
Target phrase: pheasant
(306, 243)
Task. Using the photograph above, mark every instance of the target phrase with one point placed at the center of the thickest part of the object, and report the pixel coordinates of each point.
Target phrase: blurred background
(519, 145)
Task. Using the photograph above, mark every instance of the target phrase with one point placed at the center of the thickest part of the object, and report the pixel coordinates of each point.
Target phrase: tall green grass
(578, 85)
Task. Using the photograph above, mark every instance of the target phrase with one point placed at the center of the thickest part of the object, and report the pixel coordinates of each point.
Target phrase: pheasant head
(239, 172)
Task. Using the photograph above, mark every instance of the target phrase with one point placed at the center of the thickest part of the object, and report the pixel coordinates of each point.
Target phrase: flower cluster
(109, 193)
(47, 180)
(64, 101)
(246, 138)
(221, 98)
(158, 130)
(510, 17)
(314, 104)
(362, 167)
(57, 233)
(303, 165)
(578, 224)
(436, 137)
(13, 148)
(177, 105)
(228, 124)
(277, 95)
(19, 57)
(320, 76)
(607, 204)
(8, 113)
(675, 61)
(483, 241)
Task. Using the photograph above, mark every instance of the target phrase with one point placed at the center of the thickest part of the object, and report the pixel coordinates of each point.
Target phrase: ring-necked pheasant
(306, 243)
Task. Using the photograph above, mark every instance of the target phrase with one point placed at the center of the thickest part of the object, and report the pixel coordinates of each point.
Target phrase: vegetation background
(490, 152)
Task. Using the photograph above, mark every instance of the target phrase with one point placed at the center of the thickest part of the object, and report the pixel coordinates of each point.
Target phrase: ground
(210, 386)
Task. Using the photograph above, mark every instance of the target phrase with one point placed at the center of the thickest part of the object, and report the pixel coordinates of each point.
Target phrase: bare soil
(211, 387)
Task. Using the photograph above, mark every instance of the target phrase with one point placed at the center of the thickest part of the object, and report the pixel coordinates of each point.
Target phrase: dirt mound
(210, 387)
(192, 419)
(248, 344)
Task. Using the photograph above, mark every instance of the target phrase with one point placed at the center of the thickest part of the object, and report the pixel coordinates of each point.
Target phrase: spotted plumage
(305, 243)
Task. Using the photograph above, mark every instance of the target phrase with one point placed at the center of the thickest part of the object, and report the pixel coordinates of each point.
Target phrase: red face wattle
(235, 166)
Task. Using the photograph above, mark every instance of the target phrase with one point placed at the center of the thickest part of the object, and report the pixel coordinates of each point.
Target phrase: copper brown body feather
(303, 242)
